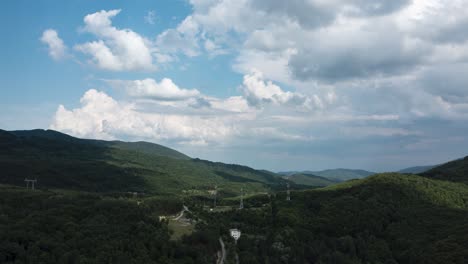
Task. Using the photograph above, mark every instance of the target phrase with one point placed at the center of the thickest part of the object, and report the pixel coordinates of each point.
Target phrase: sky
(279, 85)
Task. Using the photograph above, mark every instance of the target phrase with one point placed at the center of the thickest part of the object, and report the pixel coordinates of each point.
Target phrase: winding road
(185, 208)
(223, 252)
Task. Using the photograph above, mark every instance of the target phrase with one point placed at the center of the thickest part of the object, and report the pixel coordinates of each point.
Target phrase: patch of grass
(180, 228)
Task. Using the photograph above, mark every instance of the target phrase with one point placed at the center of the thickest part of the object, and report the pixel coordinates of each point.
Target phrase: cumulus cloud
(349, 52)
(57, 49)
(166, 89)
(116, 49)
(350, 49)
(101, 116)
(183, 39)
(236, 104)
(181, 115)
(258, 92)
(334, 41)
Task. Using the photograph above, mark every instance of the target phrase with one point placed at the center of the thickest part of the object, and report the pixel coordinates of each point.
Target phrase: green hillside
(143, 147)
(309, 180)
(456, 171)
(386, 218)
(417, 169)
(78, 227)
(82, 212)
(147, 148)
(57, 160)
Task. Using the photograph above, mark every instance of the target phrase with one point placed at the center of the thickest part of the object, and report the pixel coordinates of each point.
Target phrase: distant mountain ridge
(309, 180)
(417, 169)
(335, 174)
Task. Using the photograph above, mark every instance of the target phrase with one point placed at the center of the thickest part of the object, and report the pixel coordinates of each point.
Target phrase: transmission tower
(288, 193)
(32, 183)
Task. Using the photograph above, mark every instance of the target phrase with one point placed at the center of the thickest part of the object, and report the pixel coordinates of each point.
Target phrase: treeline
(51, 227)
(388, 218)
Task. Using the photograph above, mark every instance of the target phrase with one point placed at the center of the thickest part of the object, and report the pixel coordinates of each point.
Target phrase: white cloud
(345, 53)
(100, 116)
(116, 49)
(57, 49)
(102, 55)
(258, 92)
(150, 17)
(183, 39)
(180, 115)
(236, 104)
(166, 89)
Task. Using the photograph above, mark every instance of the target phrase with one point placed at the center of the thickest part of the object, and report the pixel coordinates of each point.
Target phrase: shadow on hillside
(69, 164)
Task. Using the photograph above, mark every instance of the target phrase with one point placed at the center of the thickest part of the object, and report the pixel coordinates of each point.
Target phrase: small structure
(30, 181)
(235, 233)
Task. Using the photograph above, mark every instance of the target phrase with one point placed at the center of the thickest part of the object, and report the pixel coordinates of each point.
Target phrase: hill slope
(309, 180)
(385, 218)
(143, 147)
(456, 171)
(61, 161)
(417, 169)
(148, 148)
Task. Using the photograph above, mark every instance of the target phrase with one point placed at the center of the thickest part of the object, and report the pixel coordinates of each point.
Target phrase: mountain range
(336, 175)
(81, 213)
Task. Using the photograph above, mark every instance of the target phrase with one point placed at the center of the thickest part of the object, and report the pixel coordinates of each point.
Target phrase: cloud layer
(320, 79)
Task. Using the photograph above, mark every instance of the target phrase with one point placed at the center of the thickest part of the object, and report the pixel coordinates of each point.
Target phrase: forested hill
(143, 147)
(385, 218)
(58, 160)
(456, 171)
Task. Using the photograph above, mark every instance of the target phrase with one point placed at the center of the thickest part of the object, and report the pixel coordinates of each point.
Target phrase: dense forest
(105, 202)
(387, 218)
(76, 227)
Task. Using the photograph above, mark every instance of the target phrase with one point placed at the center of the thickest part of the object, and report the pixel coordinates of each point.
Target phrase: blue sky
(280, 85)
